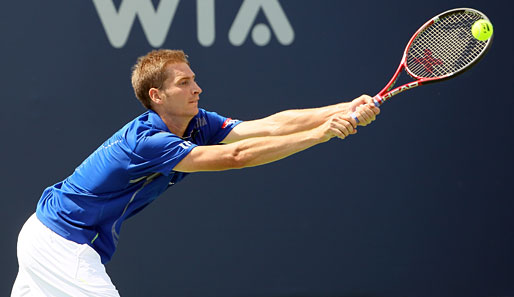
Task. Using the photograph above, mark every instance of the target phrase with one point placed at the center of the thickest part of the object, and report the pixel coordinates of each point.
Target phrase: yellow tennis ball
(482, 30)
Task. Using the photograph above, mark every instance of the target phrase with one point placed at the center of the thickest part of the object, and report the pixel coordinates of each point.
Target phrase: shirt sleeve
(159, 152)
(218, 127)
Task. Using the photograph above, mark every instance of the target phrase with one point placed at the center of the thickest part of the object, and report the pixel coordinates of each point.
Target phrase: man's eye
(184, 82)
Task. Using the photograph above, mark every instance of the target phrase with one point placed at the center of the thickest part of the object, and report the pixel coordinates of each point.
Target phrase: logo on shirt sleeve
(186, 144)
(228, 122)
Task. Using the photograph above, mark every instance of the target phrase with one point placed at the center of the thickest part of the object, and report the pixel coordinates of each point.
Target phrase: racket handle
(378, 100)
(354, 116)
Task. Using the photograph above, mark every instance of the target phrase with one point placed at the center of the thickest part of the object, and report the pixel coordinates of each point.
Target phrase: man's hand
(364, 108)
(338, 125)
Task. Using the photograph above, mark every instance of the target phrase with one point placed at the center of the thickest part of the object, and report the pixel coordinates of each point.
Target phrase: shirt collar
(156, 121)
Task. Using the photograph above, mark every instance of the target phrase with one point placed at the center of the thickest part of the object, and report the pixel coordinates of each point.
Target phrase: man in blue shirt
(62, 248)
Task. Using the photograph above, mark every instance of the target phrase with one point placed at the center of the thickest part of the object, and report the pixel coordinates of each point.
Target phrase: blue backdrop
(417, 204)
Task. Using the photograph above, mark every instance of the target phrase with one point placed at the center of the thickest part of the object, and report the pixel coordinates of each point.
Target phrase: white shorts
(50, 265)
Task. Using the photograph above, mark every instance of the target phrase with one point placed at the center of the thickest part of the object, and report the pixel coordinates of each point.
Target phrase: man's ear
(154, 95)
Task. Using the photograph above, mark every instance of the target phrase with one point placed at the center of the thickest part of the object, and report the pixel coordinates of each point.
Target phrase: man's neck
(177, 125)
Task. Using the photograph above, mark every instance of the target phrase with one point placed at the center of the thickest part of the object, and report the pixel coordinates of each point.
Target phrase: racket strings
(445, 47)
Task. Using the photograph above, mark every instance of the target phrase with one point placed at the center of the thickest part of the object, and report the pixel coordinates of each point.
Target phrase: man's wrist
(343, 107)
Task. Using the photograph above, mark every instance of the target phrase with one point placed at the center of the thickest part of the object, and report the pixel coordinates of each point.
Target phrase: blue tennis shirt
(125, 174)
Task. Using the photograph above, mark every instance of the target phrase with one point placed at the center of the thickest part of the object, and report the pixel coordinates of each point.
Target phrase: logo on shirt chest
(200, 122)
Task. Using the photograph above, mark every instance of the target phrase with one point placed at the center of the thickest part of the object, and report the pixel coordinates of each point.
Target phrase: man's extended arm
(261, 150)
(293, 121)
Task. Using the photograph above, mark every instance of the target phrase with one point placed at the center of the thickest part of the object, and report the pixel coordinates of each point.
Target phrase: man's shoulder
(136, 129)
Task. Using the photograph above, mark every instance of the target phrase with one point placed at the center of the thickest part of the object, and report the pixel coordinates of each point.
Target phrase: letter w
(155, 22)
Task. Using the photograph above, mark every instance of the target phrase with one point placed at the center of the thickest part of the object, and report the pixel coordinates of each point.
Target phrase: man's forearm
(296, 120)
(262, 150)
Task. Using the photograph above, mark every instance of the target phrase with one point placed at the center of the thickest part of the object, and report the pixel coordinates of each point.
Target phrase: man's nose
(197, 89)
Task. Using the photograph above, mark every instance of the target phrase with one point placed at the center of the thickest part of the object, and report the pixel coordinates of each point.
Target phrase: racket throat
(381, 99)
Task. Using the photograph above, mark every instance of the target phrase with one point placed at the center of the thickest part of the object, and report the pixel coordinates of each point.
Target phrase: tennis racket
(441, 49)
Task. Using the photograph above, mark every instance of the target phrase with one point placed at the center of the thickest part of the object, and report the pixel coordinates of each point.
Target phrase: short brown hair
(150, 72)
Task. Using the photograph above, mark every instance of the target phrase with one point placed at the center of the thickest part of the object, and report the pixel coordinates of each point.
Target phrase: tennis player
(63, 247)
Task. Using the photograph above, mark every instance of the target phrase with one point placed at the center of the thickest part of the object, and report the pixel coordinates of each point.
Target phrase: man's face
(180, 92)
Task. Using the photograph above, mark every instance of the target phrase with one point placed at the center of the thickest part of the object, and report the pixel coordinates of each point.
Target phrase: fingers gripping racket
(441, 49)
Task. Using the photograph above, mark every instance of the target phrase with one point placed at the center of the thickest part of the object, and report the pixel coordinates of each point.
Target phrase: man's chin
(193, 112)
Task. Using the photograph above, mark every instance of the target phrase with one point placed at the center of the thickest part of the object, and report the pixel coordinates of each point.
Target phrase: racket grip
(354, 116)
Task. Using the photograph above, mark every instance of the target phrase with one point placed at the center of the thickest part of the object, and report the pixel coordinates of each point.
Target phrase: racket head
(444, 46)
